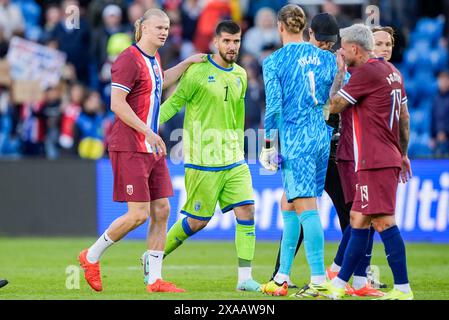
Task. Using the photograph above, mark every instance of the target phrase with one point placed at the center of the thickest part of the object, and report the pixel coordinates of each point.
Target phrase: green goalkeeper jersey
(213, 134)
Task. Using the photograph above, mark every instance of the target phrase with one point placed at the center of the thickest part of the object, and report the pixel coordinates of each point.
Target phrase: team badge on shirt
(211, 79)
(129, 189)
(197, 206)
(156, 70)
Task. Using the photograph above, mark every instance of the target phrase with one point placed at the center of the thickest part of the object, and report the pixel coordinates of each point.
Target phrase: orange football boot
(91, 271)
(163, 286)
(332, 274)
(367, 291)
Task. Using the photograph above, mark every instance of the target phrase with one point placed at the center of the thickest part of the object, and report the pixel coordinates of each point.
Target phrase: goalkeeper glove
(269, 158)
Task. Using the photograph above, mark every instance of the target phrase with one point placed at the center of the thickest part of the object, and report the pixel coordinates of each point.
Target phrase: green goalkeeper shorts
(230, 188)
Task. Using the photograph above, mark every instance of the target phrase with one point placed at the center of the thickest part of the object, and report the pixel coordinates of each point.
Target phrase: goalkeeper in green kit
(213, 140)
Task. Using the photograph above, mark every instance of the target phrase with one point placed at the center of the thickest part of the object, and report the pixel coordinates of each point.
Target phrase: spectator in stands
(254, 98)
(31, 128)
(9, 143)
(96, 7)
(74, 41)
(112, 24)
(52, 114)
(440, 117)
(329, 6)
(263, 34)
(214, 11)
(3, 44)
(190, 12)
(53, 15)
(70, 113)
(11, 19)
(134, 12)
(116, 44)
(90, 127)
(253, 6)
(170, 52)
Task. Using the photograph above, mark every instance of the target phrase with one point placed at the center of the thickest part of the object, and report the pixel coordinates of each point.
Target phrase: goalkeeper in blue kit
(294, 109)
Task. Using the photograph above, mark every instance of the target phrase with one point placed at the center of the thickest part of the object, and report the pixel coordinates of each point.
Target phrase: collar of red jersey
(371, 60)
(141, 51)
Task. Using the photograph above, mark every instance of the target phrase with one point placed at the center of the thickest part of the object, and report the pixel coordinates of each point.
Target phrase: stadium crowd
(73, 118)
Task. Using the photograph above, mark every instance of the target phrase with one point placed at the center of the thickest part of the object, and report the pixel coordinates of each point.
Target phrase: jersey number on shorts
(396, 98)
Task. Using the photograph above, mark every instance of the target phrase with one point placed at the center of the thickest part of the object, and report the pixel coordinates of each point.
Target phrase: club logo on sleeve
(129, 189)
(197, 206)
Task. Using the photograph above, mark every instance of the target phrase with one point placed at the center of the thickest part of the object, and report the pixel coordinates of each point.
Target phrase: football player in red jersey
(363, 284)
(375, 93)
(137, 153)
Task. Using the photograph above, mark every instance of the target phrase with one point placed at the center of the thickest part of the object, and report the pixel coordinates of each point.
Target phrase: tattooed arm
(404, 134)
(338, 104)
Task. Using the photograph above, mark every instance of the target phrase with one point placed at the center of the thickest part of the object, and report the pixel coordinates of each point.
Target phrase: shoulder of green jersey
(239, 68)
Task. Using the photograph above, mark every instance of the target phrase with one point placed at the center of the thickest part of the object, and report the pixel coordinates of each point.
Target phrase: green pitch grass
(44, 268)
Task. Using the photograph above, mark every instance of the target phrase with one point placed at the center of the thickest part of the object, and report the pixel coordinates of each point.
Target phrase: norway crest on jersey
(156, 70)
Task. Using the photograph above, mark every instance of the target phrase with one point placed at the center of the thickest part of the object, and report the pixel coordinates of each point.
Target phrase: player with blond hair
(137, 153)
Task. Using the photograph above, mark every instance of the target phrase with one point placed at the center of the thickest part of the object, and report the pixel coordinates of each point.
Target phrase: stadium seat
(429, 28)
(426, 85)
(440, 59)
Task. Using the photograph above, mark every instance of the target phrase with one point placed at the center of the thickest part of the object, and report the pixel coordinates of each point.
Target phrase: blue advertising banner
(422, 209)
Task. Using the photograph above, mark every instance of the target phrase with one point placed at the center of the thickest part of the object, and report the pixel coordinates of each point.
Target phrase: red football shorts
(348, 179)
(376, 191)
(140, 177)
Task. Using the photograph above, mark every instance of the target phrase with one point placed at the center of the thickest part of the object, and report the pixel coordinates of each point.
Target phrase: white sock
(335, 267)
(281, 278)
(359, 282)
(155, 265)
(403, 287)
(99, 247)
(244, 274)
(318, 279)
(338, 283)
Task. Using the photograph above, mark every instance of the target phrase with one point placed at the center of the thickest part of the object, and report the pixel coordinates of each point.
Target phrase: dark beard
(227, 60)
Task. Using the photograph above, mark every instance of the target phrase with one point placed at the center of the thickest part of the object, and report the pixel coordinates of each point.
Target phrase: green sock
(245, 241)
(177, 234)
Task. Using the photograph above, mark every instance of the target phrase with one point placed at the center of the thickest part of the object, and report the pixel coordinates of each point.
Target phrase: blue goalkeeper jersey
(298, 79)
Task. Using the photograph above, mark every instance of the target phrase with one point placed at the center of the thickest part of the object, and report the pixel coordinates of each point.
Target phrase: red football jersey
(141, 76)
(345, 147)
(376, 91)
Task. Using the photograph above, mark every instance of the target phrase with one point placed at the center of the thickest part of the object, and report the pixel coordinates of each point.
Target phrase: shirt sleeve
(273, 92)
(124, 73)
(358, 87)
(404, 94)
(184, 92)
